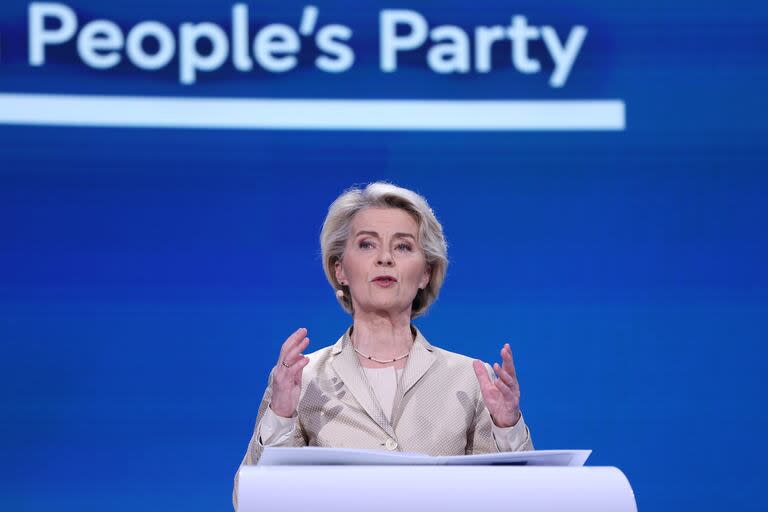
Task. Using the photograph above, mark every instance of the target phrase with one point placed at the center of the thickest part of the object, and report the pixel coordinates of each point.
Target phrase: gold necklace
(379, 360)
(387, 361)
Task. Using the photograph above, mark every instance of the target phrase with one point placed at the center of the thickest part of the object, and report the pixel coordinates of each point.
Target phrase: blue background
(148, 277)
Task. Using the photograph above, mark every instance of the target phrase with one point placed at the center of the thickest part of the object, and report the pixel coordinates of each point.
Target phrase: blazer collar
(347, 366)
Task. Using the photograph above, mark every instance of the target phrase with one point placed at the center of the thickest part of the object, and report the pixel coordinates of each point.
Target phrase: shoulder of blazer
(453, 358)
(319, 359)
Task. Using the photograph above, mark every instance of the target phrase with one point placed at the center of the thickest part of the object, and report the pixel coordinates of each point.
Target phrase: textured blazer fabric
(438, 407)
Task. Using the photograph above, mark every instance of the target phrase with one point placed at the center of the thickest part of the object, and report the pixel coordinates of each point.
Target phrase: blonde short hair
(338, 222)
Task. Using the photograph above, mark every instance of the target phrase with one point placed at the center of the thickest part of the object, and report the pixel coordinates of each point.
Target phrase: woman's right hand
(286, 377)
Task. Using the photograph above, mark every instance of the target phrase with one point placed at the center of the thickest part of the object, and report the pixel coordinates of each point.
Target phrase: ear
(340, 276)
(426, 277)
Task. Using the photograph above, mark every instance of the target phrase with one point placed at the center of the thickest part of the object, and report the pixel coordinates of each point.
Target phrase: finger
(294, 353)
(293, 339)
(482, 374)
(507, 361)
(505, 377)
(509, 395)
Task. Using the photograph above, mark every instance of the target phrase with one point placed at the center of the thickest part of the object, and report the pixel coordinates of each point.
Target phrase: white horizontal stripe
(300, 114)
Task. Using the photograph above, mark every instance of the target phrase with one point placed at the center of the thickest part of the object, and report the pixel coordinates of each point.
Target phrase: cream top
(384, 381)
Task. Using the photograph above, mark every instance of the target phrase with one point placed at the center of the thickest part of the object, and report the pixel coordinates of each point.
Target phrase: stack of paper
(315, 456)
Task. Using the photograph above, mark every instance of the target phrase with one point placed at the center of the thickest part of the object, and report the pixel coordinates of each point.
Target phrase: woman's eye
(365, 244)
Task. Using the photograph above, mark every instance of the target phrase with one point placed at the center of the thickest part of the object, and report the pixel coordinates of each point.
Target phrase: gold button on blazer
(438, 407)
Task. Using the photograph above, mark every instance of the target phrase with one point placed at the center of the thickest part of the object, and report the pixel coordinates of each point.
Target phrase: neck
(382, 337)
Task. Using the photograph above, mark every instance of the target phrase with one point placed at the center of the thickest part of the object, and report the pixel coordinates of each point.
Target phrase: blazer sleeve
(480, 438)
(255, 447)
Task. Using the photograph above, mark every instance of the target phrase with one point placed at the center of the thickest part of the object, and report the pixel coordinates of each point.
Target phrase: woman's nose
(386, 259)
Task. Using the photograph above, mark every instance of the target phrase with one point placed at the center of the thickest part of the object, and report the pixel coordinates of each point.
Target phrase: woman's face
(383, 242)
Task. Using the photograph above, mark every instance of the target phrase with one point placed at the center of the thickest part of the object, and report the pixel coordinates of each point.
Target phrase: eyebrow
(397, 235)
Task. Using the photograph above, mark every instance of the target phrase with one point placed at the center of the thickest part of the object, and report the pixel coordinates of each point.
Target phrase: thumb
(299, 368)
(481, 374)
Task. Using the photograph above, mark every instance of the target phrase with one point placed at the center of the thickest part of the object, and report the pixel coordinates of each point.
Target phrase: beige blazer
(438, 408)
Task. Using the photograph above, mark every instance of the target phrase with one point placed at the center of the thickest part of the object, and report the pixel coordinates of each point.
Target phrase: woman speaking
(382, 385)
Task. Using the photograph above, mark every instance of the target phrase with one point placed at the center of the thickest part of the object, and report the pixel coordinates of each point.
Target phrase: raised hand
(286, 377)
(502, 395)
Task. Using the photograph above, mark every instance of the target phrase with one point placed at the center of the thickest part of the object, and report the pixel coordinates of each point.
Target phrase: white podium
(438, 488)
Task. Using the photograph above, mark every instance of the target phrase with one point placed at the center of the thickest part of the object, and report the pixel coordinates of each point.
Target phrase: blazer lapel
(348, 368)
(419, 361)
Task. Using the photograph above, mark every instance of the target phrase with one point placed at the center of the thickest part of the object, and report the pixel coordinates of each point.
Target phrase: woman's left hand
(502, 395)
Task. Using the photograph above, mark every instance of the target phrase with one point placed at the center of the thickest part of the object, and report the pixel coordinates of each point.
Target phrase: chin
(383, 307)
